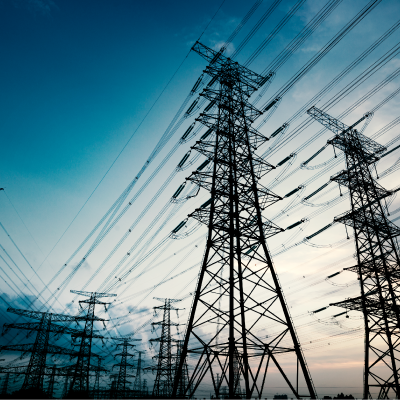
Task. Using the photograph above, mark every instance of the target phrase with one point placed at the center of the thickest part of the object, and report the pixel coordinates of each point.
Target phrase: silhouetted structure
(122, 391)
(4, 385)
(236, 258)
(165, 370)
(378, 259)
(50, 387)
(80, 380)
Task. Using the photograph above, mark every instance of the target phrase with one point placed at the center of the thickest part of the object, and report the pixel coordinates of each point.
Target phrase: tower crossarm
(333, 124)
(126, 338)
(161, 323)
(83, 334)
(51, 349)
(346, 137)
(376, 264)
(363, 219)
(39, 315)
(348, 178)
(162, 339)
(127, 365)
(22, 370)
(373, 306)
(94, 294)
(17, 369)
(94, 301)
(36, 326)
(91, 368)
(218, 61)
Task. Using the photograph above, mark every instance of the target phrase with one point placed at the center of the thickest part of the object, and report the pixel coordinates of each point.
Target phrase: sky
(88, 89)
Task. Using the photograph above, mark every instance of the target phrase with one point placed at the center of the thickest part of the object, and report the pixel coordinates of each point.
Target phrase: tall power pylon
(123, 365)
(137, 384)
(96, 386)
(80, 380)
(378, 259)
(52, 380)
(65, 387)
(256, 329)
(145, 392)
(112, 393)
(165, 370)
(4, 385)
(183, 378)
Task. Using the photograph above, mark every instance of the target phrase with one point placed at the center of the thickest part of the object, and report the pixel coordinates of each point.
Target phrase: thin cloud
(43, 7)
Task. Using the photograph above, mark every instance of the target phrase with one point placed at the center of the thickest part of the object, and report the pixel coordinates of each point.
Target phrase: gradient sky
(77, 79)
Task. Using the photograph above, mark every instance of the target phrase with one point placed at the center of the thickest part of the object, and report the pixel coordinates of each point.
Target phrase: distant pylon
(184, 376)
(236, 256)
(121, 384)
(137, 384)
(96, 386)
(113, 386)
(50, 388)
(80, 380)
(65, 387)
(165, 370)
(145, 392)
(4, 385)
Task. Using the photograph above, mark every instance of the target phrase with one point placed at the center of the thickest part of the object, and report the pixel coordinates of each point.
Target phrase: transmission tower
(145, 392)
(184, 375)
(65, 387)
(251, 297)
(35, 370)
(113, 386)
(377, 256)
(99, 369)
(4, 385)
(137, 384)
(123, 365)
(164, 381)
(50, 388)
(80, 380)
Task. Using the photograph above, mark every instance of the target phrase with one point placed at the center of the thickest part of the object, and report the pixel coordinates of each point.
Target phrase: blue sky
(77, 80)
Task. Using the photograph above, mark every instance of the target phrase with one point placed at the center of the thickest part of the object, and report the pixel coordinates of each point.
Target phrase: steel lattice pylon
(137, 384)
(65, 387)
(165, 369)
(37, 363)
(52, 380)
(238, 287)
(121, 387)
(4, 386)
(184, 374)
(80, 380)
(377, 256)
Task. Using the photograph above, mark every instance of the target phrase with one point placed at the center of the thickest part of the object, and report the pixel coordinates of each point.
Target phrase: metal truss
(80, 381)
(137, 384)
(166, 361)
(52, 381)
(121, 383)
(239, 326)
(377, 257)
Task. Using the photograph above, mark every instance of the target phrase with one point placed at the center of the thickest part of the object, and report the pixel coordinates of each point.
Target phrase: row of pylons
(84, 378)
